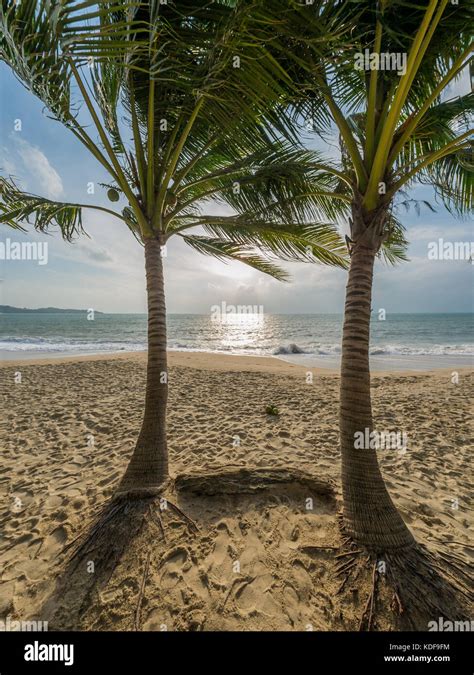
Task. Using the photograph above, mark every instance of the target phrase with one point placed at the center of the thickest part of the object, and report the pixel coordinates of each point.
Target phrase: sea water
(413, 341)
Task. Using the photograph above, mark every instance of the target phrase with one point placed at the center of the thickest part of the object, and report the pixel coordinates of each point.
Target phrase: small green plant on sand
(272, 410)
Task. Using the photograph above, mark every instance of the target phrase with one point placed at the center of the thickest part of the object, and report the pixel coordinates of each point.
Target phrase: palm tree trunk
(147, 471)
(370, 516)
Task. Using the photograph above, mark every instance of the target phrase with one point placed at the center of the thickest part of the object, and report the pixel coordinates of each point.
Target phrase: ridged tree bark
(147, 471)
(369, 515)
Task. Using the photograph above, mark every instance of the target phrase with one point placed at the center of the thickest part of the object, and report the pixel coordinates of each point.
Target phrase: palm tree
(395, 129)
(184, 100)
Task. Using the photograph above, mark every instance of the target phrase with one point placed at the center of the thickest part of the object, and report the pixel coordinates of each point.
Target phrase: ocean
(414, 341)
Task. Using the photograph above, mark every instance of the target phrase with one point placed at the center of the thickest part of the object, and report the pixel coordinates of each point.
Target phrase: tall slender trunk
(148, 468)
(370, 516)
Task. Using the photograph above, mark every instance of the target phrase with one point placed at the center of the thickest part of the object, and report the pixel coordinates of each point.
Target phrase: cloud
(7, 167)
(37, 164)
(460, 86)
(30, 168)
(427, 233)
(95, 253)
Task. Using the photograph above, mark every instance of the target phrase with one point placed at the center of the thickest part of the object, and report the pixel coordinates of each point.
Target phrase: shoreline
(199, 360)
(231, 363)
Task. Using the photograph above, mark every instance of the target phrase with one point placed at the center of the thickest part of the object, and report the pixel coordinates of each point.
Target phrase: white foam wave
(61, 344)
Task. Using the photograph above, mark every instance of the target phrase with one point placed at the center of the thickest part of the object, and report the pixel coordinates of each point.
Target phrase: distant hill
(8, 309)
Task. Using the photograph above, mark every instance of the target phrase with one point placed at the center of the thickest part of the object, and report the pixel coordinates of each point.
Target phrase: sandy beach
(259, 561)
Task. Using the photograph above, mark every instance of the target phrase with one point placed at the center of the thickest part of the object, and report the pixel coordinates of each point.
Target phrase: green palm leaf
(18, 209)
(227, 251)
(187, 101)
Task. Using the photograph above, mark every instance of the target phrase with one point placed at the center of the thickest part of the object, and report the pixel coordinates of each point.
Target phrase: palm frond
(453, 180)
(227, 251)
(395, 245)
(18, 208)
(310, 242)
(279, 183)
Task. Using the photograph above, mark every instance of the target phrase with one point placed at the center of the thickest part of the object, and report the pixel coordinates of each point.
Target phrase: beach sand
(260, 561)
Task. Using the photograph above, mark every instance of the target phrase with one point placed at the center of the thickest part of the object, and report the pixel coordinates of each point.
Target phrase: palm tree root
(418, 585)
(154, 522)
(93, 556)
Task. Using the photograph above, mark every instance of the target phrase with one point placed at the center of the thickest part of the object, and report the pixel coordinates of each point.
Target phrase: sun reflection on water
(240, 330)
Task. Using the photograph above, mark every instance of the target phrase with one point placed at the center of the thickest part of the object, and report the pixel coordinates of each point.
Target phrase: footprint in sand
(53, 502)
(157, 621)
(53, 543)
(174, 565)
(257, 597)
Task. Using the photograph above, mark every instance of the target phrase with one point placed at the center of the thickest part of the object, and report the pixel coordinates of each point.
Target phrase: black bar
(319, 652)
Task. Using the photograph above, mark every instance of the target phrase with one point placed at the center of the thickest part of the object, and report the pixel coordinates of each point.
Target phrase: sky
(105, 271)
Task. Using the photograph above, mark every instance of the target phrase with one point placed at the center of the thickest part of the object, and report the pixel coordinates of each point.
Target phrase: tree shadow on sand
(416, 585)
(149, 523)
